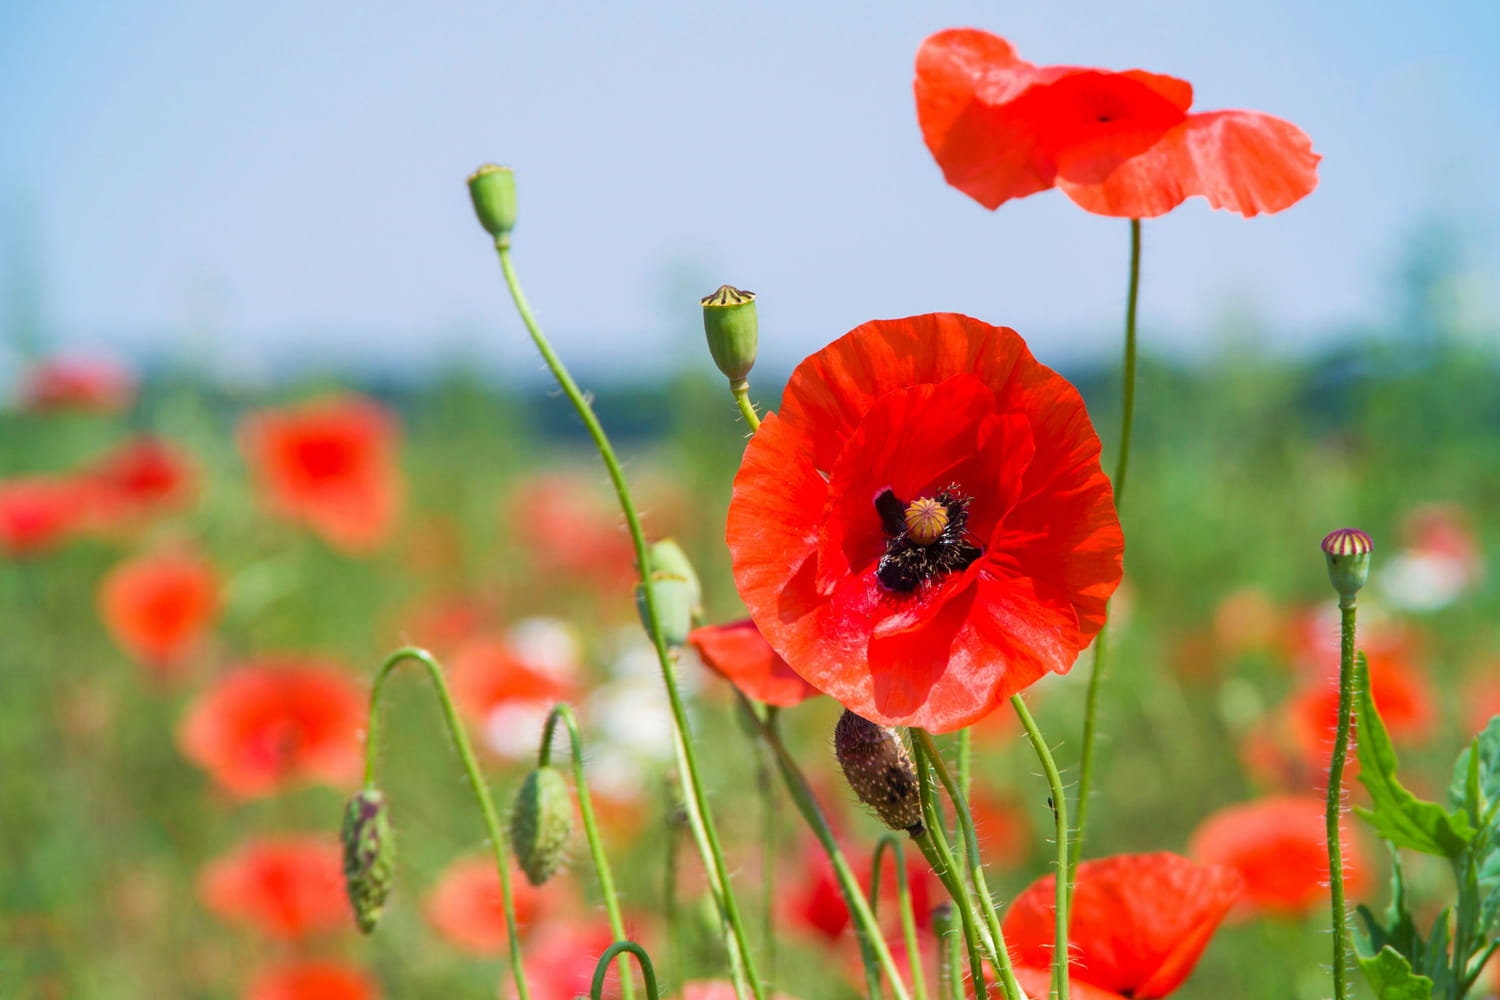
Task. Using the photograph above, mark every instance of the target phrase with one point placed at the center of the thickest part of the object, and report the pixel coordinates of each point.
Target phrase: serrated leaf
(1392, 978)
(1398, 815)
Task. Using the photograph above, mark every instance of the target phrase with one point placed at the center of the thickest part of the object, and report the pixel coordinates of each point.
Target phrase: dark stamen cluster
(907, 564)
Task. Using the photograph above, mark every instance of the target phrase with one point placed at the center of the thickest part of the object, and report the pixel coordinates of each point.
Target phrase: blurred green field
(1239, 469)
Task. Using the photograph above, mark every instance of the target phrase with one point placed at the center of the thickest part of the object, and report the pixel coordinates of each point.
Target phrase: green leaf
(1398, 815)
(1475, 785)
(1391, 977)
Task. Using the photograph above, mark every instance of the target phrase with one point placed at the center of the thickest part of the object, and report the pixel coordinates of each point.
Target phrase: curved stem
(619, 950)
(1064, 870)
(564, 713)
(903, 901)
(1335, 803)
(741, 390)
(976, 865)
(704, 833)
(1122, 466)
(476, 782)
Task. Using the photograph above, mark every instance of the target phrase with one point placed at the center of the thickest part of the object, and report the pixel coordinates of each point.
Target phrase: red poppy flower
(78, 383)
(139, 478)
(287, 888)
(738, 653)
(465, 907)
(313, 981)
(1037, 985)
(560, 959)
(1279, 847)
(1402, 695)
(923, 529)
(571, 531)
(276, 722)
(329, 464)
(1140, 921)
(814, 901)
(1120, 144)
(158, 607)
(37, 513)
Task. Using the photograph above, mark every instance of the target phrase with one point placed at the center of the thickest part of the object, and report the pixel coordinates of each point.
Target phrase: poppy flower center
(925, 540)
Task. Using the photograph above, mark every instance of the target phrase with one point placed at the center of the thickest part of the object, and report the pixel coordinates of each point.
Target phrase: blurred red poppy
(276, 722)
(158, 607)
(139, 478)
(814, 902)
(738, 653)
(37, 513)
(313, 981)
(717, 989)
(1120, 144)
(571, 531)
(465, 906)
(1139, 921)
(329, 464)
(287, 888)
(560, 960)
(1279, 846)
(924, 529)
(1402, 695)
(81, 383)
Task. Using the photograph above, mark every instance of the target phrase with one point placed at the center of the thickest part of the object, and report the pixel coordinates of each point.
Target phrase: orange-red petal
(740, 654)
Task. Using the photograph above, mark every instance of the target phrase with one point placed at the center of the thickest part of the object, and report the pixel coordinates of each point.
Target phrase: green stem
(1060, 817)
(1122, 466)
(564, 714)
(619, 949)
(966, 761)
(741, 390)
(854, 899)
(1335, 800)
(481, 791)
(903, 901)
(704, 833)
(950, 961)
(768, 845)
(976, 864)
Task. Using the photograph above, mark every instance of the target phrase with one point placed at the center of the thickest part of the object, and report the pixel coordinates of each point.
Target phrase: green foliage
(1392, 978)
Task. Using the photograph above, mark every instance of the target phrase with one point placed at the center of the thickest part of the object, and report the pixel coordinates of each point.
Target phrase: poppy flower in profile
(1279, 846)
(738, 653)
(329, 464)
(139, 478)
(38, 513)
(1139, 921)
(313, 981)
(78, 383)
(1120, 144)
(276, 722)
(465, 907)
(924, 529)
(287, 888)
(158, 607)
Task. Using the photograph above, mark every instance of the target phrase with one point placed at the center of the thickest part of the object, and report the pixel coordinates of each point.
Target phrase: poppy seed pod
(878, 768)
(732, 328)
(493, 190)
(369, 856)
(1348, 553)
(541, 823)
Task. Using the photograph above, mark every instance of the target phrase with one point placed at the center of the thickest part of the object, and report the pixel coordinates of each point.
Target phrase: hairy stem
(1064, 869)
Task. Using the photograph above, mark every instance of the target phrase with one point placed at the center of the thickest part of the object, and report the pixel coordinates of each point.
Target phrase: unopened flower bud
(369, 856)
(493, 190)
(880, 771)
(668, 559)
(675, 588)
(729, 321)
(541, 823)
(1348, 553)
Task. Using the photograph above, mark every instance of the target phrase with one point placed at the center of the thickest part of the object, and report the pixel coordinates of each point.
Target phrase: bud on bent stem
(369, 855)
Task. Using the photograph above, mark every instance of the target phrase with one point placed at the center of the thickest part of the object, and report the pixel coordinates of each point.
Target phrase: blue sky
(286, 179)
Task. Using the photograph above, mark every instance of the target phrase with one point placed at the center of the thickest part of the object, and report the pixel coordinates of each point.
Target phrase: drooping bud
(879, 769)
(541, 823)
(675, 588)
(729, 321)
(369, 856)
(1348, 553)
(493, 190)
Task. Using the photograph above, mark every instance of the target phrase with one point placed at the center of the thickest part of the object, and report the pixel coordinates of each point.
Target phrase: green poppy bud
(879, 769)
(668, 559)
(369, 856)
(675, 586)
(730, 323)
(1348, 553)
(541, 823)
(493, 190)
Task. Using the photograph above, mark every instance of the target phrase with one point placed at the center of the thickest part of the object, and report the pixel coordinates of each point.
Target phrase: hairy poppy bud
(369, 856)
(541, 823)
(1348, 553)
(493, 190)
(674, 584)
(729, 321)
(880, 771)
